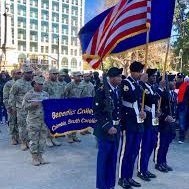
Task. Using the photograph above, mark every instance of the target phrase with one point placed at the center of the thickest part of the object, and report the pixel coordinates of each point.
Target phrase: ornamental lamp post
(181, 59)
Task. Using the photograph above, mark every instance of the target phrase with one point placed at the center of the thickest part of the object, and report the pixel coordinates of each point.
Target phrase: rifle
(168, 90)
(109, 104)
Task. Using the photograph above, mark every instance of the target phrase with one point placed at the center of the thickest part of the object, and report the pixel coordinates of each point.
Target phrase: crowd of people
(138, 113)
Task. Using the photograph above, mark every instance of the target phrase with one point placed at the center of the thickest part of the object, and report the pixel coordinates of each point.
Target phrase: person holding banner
(51, 87)
(88, 91)
(107, 111)
(132, 125)
(37, 130)
(74, 89)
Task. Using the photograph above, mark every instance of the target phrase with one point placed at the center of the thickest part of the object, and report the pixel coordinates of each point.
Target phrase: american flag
(126, 19)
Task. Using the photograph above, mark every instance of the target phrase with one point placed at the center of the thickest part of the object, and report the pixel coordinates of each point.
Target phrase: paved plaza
(72, 166)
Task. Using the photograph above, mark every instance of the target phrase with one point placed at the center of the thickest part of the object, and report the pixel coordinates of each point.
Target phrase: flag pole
(146, 63)
(166, 60)
(164, 70)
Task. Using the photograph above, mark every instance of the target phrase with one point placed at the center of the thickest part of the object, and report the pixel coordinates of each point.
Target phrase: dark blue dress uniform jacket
(150, 99)
(104, 120)
(164, 126)
(129, 120)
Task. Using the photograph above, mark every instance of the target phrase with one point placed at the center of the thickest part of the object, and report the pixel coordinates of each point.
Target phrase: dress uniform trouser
(106, 164)
(162, 146)
(129, 151)
(148, 143)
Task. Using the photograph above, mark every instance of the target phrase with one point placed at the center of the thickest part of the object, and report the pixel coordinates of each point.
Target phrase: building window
(75, 52)
(64, 63)
(73, 63)
(64, 50)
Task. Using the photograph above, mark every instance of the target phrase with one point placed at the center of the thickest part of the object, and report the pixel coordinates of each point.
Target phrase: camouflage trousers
(13, 127)
(21, 121)
(37, 133)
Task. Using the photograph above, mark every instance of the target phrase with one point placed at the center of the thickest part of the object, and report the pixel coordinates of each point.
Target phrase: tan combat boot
(49, 142)
(42, 160)
(24, 146)
(14, 141)
(55, 142)
(70, 140)
(35, 160)
(76, 139)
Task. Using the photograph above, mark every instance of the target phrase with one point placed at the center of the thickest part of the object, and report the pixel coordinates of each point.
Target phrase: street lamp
(58, 58)
(181, 59)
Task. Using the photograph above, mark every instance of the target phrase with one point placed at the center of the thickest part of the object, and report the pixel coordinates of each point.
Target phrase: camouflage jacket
(6, 92)
(34, 114)
(51, 87)
(61, 87)
(88, 89)
(17, 92)
(73, 90)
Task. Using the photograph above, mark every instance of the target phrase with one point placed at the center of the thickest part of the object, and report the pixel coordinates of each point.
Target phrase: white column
(16, 25)
(50, 27)
(8, 34)
(60, 33)
(69, 34)
(27, 26)
(39, 27)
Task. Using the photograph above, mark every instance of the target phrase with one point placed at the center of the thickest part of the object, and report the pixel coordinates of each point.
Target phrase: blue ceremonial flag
(66, 115)
(162, 12)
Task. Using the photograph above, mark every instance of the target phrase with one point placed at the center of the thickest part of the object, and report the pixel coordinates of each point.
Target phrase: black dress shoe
(161, 168)
(168, 167)
(143, 176)
(150, 175)
(124, 184)
(134, 183)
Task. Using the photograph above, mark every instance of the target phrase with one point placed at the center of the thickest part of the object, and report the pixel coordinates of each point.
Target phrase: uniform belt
(148, 109)
(127, 104)
(116, 122)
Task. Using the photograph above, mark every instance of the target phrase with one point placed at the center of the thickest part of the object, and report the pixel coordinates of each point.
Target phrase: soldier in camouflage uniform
(37, 130)
(17, 92)
(61, 83)
(12, 123)
(74, 89)
(88, 91)
(88, 87)
(51, 87)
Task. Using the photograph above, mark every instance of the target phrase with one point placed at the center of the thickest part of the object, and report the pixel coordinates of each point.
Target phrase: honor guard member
(12, 122)
(151, 123)
(88, 91)
(132, 125)
(74, 89)
(51, 87)
(17, 92)
(61, 83)
(107, 107)
(37, 130)
(166, 130)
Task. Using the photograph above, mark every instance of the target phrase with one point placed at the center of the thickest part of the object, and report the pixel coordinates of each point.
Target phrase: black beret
(180, 75)
(151, 72)
(136, 67)
(114, 72)
(171, 77)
